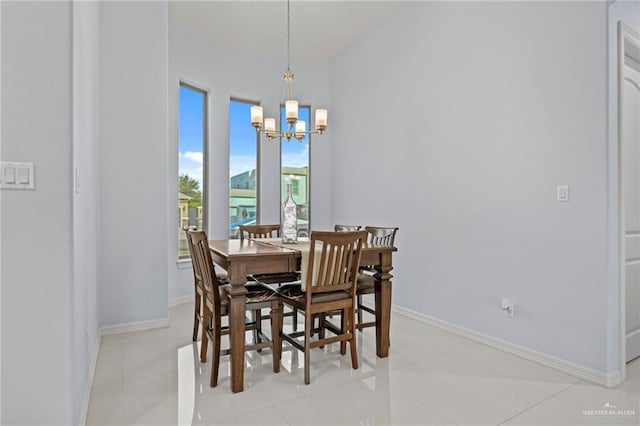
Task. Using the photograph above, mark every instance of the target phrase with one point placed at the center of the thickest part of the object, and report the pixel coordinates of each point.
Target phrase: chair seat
(256, 293)
(296, 297)
(365, 284)
(276, 278)
(291, 291)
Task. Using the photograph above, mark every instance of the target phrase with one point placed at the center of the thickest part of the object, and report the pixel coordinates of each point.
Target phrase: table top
(233, 248)
(271, 246)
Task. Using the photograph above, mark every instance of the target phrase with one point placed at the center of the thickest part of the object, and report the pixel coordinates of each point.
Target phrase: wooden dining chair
(379, 236)
(267, 231)
(216, 306)
(270, 231)
(330, 285)
(198, 287)
(259, 231)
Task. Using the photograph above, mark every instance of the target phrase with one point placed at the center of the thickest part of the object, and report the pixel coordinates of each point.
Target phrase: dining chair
(259, 231)
(338, 228)
(330, 285)
(379, 236)
(198, 288)
(269, 231)
(216, 306)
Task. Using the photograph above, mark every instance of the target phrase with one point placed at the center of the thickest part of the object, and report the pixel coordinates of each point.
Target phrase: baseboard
(134, 326)
(89, 385)
(585, 373)
(180, 300)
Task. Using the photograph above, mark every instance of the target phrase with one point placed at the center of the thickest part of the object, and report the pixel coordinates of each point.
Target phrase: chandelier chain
(288, 35)
(295, 128)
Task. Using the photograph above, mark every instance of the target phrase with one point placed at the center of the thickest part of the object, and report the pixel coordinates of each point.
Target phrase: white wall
(455, 122)
(228, 74)
(133, 162)
(37, 225)
(629, 13)
(0, 219)
(86, 135)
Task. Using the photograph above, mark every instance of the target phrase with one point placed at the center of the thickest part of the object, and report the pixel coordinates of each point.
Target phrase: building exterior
(242, 197)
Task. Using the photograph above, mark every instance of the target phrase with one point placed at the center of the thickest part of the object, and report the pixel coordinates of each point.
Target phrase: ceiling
(319, 29)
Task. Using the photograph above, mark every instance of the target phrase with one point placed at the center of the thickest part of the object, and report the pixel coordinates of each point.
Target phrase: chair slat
(259, 231)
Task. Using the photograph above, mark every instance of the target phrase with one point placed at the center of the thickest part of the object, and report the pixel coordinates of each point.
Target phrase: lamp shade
(301, 128)
(256, 115)
(291, 110)
(269, 124)
(321, 119)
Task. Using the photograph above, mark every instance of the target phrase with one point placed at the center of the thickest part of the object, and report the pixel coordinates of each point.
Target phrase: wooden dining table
(240, 258)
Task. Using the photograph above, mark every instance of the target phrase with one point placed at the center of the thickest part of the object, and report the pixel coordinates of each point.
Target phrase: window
(243, 167)
(192, 144)
(295, 170)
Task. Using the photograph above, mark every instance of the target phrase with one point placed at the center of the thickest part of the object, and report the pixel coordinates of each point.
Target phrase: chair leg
(295, 319)
(352, 341)
(308, 325)
(321, 330)
(343, 330)
(215, 358)
(196, 316)
(256, 317)
(358, 310)
(204, 342)
(276, 329)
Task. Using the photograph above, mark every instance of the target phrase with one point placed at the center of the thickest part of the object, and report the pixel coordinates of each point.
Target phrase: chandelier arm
(282, 133)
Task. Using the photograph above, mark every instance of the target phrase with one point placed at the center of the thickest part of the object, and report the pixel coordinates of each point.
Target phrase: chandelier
(295, 128)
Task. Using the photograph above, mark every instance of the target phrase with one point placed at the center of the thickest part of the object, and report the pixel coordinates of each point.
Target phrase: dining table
(251, 256)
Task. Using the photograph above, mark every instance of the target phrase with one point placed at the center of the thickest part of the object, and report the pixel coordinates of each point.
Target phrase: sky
(191, 133)
(242, 146)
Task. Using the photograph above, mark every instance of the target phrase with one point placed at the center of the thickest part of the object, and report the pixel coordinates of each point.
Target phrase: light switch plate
(17, 175)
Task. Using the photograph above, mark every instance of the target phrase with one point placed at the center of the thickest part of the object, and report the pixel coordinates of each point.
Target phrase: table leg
(383, 304)
(237, 291)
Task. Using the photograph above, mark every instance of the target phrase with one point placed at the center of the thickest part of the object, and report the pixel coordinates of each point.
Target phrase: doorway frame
(626, 35)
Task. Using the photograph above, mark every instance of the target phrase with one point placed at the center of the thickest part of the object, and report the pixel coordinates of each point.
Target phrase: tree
(191, 188)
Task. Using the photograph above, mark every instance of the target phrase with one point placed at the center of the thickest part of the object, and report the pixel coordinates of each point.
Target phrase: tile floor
(430, 377)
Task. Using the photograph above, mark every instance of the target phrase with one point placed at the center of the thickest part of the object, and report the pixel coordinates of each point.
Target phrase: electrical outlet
(508, 308)
(562, 193)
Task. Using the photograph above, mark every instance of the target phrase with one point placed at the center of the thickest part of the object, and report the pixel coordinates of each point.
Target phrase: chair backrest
(381, 236)
(259, 231)
(196, 275)
(203, 266)
(333, 263)
(346, 228)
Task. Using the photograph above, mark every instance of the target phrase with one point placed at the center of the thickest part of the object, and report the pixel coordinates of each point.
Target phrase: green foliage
(191, 188)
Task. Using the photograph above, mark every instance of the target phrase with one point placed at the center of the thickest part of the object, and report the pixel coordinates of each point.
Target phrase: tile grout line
(281, 413)
(554, 395)
(409, 396)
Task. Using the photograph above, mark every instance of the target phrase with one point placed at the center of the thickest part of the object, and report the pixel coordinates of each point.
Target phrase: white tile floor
(430, 377)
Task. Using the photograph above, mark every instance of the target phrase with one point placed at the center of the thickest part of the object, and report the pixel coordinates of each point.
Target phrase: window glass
(295, 170)
(192, 141)
(243, 167)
